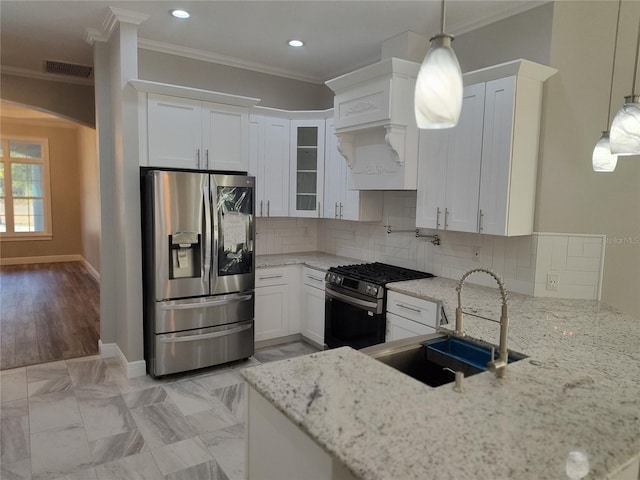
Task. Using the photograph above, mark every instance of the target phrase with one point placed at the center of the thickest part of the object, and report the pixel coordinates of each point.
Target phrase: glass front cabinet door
(307, 167)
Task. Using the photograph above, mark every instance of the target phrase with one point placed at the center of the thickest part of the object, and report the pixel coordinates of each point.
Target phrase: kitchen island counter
(572, 406)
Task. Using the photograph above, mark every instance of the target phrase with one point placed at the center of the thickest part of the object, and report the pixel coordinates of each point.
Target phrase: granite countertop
(577, 396)
(317, 260)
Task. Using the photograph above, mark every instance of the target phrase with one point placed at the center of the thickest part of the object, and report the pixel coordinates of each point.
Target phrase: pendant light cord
(443, 15)
(635, 70)
(613, 64)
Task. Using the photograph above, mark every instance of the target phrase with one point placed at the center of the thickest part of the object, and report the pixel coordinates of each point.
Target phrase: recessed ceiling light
(296, 43)
(180, 13)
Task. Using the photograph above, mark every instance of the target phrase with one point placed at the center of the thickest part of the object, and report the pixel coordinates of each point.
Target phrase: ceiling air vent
(62, 68)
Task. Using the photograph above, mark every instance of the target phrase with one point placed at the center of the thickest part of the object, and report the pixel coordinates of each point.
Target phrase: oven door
(352, 321)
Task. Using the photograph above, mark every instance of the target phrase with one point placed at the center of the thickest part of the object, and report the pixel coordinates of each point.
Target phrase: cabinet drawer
(266, 277)
(400, 327)
(416, 309)
(313, 278)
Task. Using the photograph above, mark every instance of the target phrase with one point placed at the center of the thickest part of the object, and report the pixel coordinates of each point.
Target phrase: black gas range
(355, 302)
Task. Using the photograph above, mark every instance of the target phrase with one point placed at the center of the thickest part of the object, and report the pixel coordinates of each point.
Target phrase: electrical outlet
(553, 279)
(476, 252)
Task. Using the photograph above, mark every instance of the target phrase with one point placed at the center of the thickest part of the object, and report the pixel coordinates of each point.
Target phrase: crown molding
(24, 72)
(205, 56)
(518, 7)
(113, 17)
(93, 35)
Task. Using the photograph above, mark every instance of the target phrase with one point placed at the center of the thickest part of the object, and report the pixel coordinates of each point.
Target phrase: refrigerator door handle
(212, 303)
(205, 336)
(206, 241)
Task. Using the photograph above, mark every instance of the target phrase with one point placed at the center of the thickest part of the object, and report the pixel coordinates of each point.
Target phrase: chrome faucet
(498, 366)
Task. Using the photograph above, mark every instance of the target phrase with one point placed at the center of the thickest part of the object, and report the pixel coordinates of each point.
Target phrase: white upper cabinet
(449, 169)
(174, 133)
(269, 147)
(340, 200)
(225, 137)
(307, 168)
(180, 128)
(480, 176)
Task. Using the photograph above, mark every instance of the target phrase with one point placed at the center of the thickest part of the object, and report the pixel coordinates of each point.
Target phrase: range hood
(375, 124)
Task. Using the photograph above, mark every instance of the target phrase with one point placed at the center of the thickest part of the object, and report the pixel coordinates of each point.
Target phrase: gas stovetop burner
(378, 273)
(369, 279)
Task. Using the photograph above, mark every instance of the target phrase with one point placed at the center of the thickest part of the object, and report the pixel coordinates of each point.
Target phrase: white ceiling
(340, 35)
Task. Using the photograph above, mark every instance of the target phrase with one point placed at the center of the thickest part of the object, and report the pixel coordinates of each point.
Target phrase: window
(25, 204)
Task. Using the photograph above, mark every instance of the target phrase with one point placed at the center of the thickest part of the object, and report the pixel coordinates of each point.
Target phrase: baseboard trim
(92, 271)
(131, 369)
(42, 259)
(107, 350)
(277, 341)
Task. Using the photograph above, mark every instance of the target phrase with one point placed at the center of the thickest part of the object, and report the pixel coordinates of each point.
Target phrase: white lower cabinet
(399, 328)
(276, 307)
(312, 319)
(277, 448)
(409, 316)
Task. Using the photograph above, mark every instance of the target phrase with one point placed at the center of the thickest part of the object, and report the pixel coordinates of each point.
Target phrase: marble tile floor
(82, 419)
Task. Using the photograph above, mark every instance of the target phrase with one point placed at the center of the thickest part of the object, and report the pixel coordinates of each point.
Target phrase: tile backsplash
(524, 263)
(286, 235)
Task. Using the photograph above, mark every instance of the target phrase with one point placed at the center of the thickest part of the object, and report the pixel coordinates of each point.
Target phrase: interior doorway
(49, 238)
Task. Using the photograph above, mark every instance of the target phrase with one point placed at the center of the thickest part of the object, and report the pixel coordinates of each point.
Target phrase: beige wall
(576, 37)
(89, 196)
(571, 197)
(70, 101)
(65, 193)
(274, 92)
(527, 35)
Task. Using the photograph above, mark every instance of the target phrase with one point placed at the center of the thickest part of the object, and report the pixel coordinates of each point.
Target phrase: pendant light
(625, 129)
(438, 93)
(603, 160)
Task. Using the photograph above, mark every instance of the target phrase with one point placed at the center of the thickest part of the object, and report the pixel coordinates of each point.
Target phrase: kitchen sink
(433, 359)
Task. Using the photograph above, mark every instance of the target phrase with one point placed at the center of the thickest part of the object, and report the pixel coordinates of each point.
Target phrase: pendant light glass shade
(625, 129)
(603, 160)
(438, 94)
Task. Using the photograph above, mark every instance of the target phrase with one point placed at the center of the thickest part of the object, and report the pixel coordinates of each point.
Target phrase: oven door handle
(351, 300)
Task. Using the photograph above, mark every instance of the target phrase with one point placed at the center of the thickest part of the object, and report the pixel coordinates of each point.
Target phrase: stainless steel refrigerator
(198, 233)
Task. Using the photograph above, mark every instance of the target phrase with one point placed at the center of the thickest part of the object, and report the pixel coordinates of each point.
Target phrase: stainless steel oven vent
(69, 69)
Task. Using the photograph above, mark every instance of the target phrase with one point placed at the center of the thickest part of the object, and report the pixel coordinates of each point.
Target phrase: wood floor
(48, 311)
